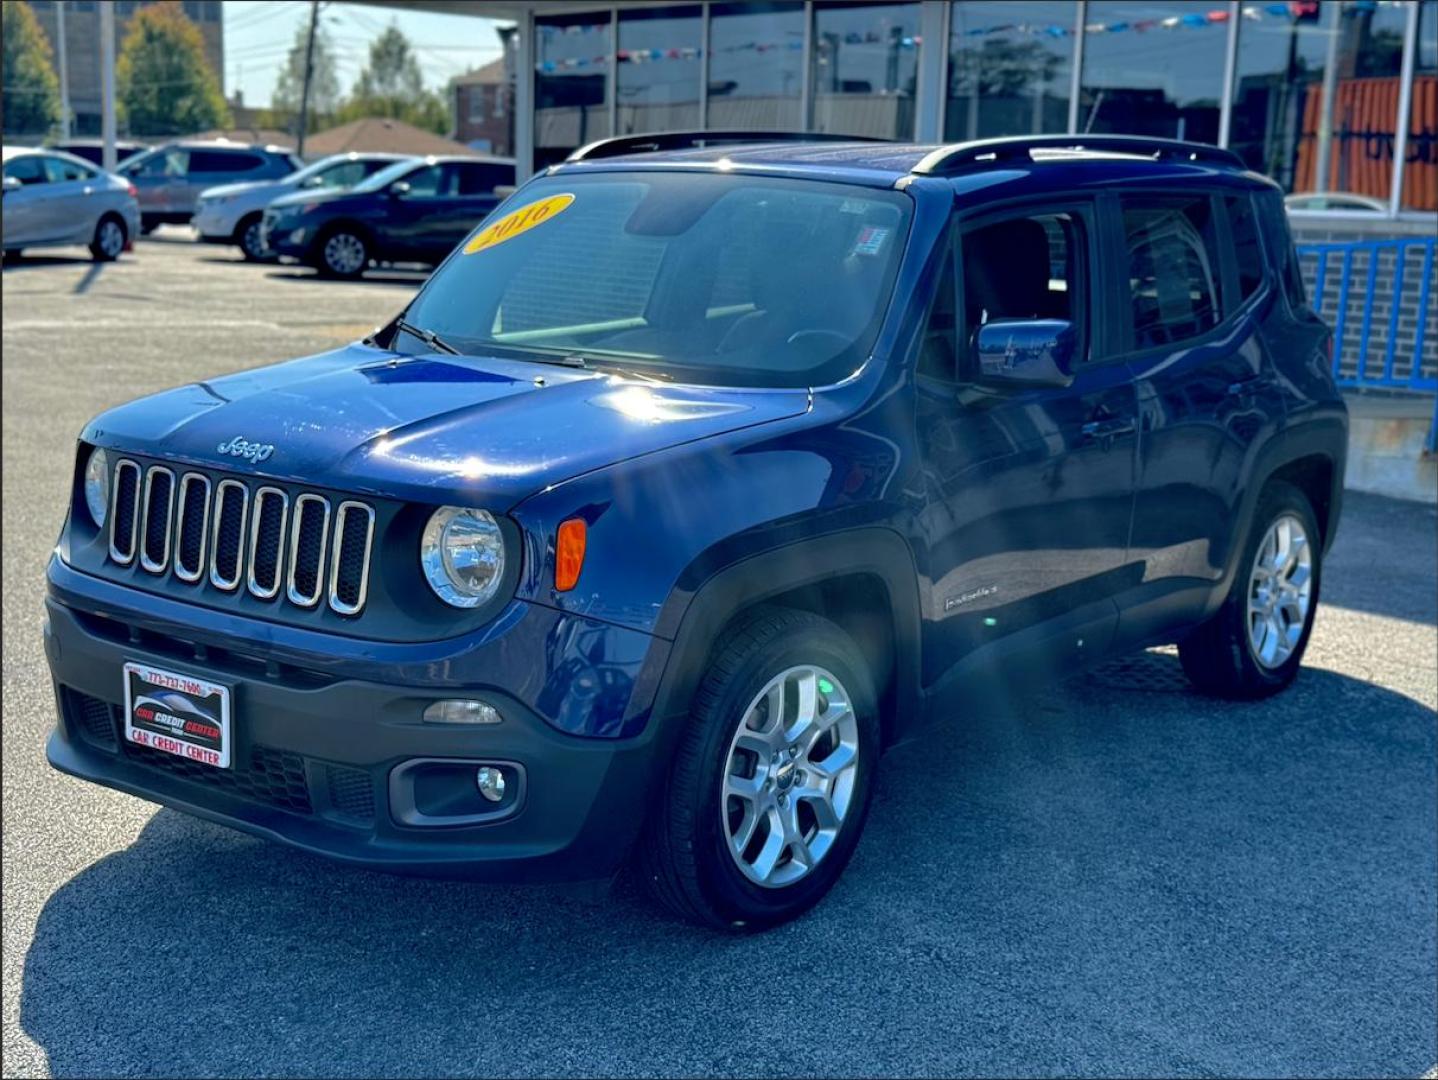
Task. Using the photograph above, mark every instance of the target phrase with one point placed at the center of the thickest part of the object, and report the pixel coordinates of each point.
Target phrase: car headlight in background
(462, 554)
(97, 486)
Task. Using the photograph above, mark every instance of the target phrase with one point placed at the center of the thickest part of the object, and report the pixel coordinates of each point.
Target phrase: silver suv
(170, 178)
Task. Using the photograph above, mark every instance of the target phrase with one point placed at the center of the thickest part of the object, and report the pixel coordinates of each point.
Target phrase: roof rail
(688, 140)
(949, 159)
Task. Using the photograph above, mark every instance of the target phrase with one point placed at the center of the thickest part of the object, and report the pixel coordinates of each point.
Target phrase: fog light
(297, 236)
(490, 782)
(461, 712)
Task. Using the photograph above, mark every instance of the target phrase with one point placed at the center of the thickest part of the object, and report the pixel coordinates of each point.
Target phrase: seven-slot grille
(189, 525)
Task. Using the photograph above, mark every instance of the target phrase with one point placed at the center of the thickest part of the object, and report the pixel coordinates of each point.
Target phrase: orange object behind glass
(569, 553)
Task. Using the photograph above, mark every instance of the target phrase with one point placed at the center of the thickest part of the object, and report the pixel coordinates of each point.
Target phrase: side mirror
(1026, 352)
(314, 181)
(12, 183)
(399, 189)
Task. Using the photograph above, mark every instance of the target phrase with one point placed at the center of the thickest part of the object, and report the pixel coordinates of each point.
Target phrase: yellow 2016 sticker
(518, 221)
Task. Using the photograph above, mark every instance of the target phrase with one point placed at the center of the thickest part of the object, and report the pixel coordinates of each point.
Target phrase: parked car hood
(244, 188)
(432, 428)
(310, 196)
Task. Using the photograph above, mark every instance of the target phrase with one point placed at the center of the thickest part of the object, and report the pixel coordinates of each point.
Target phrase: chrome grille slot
(349, 567)
(158, 526)
(125, 512)
(309, 535)
(267, 538)
(227, 541)
(192, 520)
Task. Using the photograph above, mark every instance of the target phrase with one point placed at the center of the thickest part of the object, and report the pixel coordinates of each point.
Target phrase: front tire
(249, 237)
(109, 239)
(771, 782)
(342, 253)
(1254, 645)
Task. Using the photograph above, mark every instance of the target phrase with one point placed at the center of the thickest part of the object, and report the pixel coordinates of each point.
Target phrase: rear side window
(61, 170)
(1247, 250)
(483, 179)
(1279, 241)
(223, 161)
(1173, 269)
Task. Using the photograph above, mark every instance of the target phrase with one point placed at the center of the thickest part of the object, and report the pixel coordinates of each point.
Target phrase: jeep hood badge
(252, 452)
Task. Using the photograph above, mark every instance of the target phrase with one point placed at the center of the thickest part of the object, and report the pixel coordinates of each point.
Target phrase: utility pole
(64, 71)
(309, 75)
(107, 83)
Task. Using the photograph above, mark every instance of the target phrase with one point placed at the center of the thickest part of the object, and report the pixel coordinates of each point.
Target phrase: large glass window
(659, 69)
(866, 63)
(1420, 171)
(1312, 67)
(1008, 77)
(571, 83)
(756, 66)
(1173, 269)
(1154, 69)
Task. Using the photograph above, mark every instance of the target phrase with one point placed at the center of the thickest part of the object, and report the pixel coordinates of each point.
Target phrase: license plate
(178, 714)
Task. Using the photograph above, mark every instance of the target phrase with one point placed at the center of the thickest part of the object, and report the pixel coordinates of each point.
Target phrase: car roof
(224, 144)
(9, 153)
(886, 164)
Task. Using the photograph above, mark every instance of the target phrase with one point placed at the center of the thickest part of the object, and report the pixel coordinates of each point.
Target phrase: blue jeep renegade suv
(707, 468)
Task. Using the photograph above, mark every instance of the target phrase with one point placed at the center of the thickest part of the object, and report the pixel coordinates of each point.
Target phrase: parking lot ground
(1112, 877)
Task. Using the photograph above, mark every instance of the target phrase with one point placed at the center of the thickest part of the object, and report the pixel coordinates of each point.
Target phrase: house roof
(491, 74)
(376, 133)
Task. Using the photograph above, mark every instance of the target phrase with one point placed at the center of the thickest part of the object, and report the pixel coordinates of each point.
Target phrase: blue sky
(258, 35)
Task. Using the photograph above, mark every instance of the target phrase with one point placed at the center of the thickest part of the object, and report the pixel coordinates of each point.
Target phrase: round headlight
(463, 555)
(97, 487)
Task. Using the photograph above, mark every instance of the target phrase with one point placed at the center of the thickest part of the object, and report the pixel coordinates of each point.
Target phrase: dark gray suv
(170, 177)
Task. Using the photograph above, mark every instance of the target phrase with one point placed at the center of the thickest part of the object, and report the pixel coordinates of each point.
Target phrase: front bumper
(214, 224)
(326, 764)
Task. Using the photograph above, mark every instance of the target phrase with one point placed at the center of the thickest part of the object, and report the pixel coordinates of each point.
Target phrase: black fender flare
(873, 551)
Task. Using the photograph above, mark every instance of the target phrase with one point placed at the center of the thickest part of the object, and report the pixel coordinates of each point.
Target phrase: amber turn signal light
(569, 553)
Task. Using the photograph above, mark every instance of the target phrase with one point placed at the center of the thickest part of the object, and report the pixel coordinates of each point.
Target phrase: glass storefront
(659, 68)
(1154, 69)
(756, 66)
(1008, 75)
(573, 54)
(1316, 90)
(865, 68)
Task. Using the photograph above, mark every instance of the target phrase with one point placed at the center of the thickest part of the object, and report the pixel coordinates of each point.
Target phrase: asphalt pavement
(1113, 877)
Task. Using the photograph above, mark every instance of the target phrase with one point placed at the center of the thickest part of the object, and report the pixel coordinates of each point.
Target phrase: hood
(226, 190)
(427, 428)
(309, 196)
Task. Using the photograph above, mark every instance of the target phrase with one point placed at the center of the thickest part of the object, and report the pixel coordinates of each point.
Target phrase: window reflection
(1009, 69)
(1420, 173)
(866, 62)
(658, 69)
(571, 84)
(1154, 69)
(756, 66)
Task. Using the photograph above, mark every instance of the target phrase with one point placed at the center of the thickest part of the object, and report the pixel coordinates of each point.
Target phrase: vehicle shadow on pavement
(1115, 876)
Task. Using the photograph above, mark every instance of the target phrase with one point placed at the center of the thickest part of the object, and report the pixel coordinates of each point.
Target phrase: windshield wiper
(429, 337)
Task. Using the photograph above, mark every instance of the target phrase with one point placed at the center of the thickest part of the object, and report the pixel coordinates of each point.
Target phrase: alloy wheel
(345, 253)
(1280, 591)
(252, 240)
(789, 776)
(111, 239)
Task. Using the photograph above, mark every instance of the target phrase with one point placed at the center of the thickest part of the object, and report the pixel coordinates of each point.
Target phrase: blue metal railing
(1400, 363)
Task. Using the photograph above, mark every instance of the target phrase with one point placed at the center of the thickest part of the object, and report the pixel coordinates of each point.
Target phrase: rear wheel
(249, 235)
(771, 782)
(1254, 645)
(109, 239)
(342, 253)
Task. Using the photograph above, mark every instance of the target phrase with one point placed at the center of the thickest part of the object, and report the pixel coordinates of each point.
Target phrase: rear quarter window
(1247, 248)
(1273, 219)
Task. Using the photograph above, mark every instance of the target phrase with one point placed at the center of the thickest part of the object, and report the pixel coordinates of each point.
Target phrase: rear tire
(1253, 646)
(109, 240)
(751, 860)
(249, 239)
(341, 253)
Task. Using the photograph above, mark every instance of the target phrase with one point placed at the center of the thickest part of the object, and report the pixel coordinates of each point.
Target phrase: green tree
(31, 99)
(324, 84)
(391, 85)
(164, 84)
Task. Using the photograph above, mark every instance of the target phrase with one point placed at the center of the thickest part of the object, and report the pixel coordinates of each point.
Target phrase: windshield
(386, 176)
(301, 175)
(710, 278)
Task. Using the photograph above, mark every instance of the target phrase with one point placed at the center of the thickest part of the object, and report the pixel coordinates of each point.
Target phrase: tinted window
(740, 280)
(172, 162)
(28, 170)
(1279, 242)
(483, 179)
(60, 170)
(344, 174)
(1248, 251)
(1023, 268)
(428, 181)
(938, 352)
(1173, 269)
(223, 161)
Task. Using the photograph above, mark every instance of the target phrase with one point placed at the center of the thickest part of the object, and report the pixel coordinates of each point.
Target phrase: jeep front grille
(228, 533)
